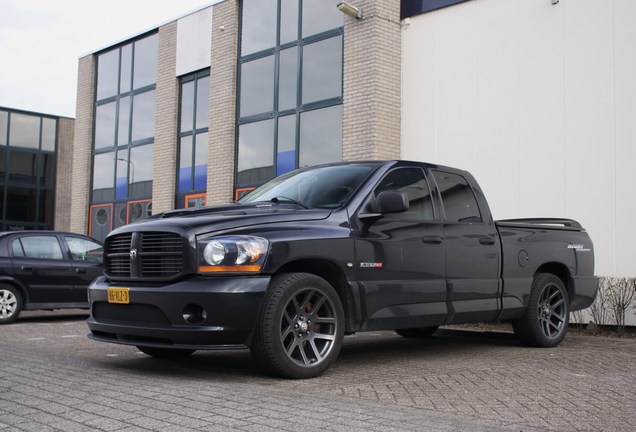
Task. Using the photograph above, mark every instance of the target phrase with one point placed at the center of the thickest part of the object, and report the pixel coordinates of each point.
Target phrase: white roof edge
(178, 17)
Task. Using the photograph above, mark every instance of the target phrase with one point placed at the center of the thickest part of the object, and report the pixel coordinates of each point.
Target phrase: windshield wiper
(279, 199)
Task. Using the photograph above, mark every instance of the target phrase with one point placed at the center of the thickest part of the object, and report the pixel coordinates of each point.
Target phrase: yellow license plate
(119, 295)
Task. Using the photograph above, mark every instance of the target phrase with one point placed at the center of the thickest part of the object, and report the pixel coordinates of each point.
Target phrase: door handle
(25, 268)
(80, 271)
(432, 239)
(487, 240)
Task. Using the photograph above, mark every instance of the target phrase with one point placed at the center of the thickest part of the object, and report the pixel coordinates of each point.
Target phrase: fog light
(194, 314)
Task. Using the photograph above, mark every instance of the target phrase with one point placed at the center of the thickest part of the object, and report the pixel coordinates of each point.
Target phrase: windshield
(321, 187)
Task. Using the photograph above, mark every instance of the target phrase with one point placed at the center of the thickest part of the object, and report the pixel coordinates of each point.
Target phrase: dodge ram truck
(332, 250)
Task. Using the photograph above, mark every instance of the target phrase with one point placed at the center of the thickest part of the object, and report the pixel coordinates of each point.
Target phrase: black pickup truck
(331, 250)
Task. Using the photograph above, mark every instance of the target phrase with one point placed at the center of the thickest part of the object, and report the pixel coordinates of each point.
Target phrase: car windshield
(321, 187)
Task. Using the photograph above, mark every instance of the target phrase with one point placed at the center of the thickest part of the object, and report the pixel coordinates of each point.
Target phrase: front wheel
(165, 353)
(300, 327)
(547, 314)
(10, 303)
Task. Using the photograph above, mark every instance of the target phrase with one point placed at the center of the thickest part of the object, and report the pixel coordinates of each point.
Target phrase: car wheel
(165, 353)
(10, 303)
(418, 332)
(300, 328)
(547, 314)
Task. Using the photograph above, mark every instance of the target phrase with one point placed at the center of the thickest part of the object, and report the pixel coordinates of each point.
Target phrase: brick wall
(222, 102)
(82, 145)
(372, 82)
(64, 175)
(166, 116)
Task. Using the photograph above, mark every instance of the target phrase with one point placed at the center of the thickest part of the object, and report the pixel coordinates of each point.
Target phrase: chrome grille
(145, 255)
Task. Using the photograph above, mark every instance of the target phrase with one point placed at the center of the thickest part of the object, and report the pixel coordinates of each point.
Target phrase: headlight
(232, 254)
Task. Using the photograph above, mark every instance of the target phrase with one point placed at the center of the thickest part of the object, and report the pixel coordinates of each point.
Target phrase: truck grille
(145, 255)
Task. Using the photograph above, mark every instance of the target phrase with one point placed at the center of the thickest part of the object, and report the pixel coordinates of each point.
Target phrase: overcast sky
(42, 40)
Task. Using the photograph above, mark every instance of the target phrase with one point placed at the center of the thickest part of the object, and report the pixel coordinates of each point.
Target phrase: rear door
(87, 262)
(43, 268)
(472, 251)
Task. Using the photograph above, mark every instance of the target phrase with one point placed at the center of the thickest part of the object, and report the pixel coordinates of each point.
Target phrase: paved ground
(53, 378)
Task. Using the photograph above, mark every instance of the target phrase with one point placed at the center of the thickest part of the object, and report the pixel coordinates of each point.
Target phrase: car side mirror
(391, 201)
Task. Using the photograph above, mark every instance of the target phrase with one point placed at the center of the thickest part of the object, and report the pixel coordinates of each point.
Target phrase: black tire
(300, 328)
(165, 353)
(418, 332)
(10, 303)
(545, 321)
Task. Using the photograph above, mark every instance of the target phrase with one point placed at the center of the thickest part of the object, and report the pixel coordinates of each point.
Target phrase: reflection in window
(145, 63)
(287, 81)
(105, 125)
(49, 132)
(322, 70)
(47, 207)
(4, 119)
(143, 118)
(458, 199)
(47, 170)
(320, 16)
(413, 183)
(258, 31)
(123, 125)
(107, 72)
(321, 136)
(141, 170)
(256, 152)
(22, 206)
(24, 131)
(44, 247)
(84, 250)
(23, 167)
(104, 177)
(257, 86)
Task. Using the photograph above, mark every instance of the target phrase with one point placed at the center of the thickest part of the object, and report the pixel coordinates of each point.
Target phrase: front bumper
(155, 315)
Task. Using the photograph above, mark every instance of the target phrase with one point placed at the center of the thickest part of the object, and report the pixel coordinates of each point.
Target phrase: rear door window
(458, 199)
(42, 247)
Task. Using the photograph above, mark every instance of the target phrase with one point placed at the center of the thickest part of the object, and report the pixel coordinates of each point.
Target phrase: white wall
(538, 101)
(193, 41)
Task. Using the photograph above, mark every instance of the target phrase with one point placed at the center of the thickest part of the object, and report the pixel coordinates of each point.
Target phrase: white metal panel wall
(538, 100)
(194, 41)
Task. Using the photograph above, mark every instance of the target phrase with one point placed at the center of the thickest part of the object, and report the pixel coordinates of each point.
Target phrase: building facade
(35, 154)
(534, 97)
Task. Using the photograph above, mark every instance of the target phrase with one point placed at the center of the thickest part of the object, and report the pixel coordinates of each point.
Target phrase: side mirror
(391, 201)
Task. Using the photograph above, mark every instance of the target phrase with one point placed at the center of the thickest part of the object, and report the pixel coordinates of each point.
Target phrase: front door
(400, 259)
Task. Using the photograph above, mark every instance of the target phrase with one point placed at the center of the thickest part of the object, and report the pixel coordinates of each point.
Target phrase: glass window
(43, 247)
(84, 250)
(256, 153)
(288, 79)
(185, 164)
(3, 155)
(201, 161)
(23, 204)
(125, 73)
(288, 21)
(321, 136)
(258, 31)
(49, 132)
(286, 154)
(4, 120)
(257, 86)
(141, 171)
(123, 123)
(320, 16)
(143, 119)
(23, 167)
(187, 102)
(105, 125)
(412, 182)
(145, 62)
(458, 198)
(121, 174)
(104, 177)
(107, 73)
(203, 102)
(24, 131)
(47, 206)
(47, 170)
(322, 70)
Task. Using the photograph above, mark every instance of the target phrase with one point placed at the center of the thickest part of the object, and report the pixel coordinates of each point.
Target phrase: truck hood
(201, 220)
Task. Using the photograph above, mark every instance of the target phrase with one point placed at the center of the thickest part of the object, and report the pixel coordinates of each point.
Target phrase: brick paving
(53, 378)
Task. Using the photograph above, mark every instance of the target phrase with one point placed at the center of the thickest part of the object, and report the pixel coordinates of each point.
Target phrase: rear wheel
(165, 353)
(10, 303)
(545, 321)
(300, 328)
(418, 332)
